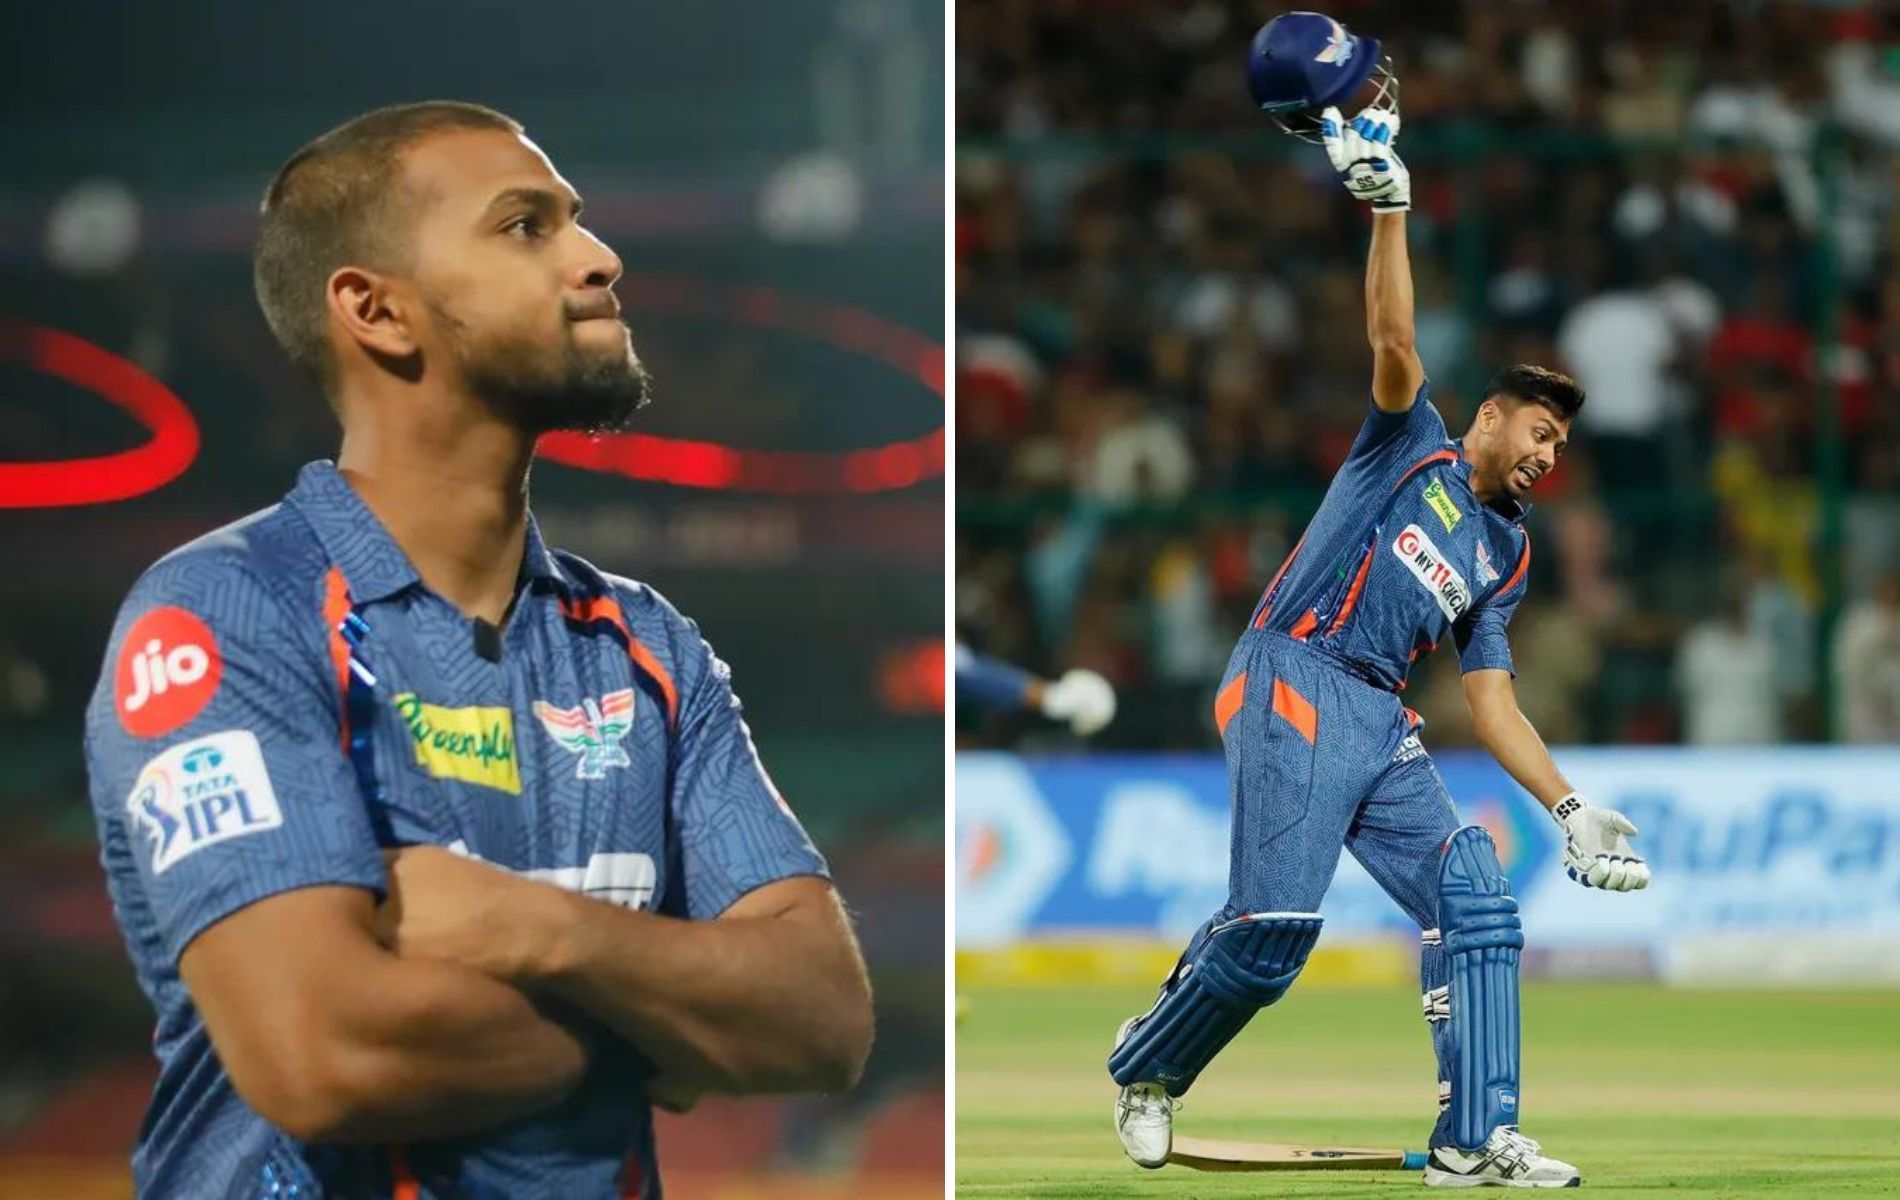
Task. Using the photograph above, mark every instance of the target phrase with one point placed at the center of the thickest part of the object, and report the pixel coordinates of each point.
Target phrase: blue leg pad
(1483, 936)
(1238, 968)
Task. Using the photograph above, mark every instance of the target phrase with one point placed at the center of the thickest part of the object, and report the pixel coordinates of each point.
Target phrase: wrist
(1568, 807)
(551, 921)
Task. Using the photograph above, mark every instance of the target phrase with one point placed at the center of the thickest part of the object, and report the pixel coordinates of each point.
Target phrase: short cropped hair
(342, 201)
(1525, 383)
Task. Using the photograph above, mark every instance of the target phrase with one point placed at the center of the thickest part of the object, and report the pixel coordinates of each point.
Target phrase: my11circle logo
(168, 670)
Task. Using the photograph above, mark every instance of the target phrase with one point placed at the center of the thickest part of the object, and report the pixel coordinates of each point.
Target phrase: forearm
(432, 1049)
(1389, 319)
(331, 1037)
(1512, 740)
(743, 1004)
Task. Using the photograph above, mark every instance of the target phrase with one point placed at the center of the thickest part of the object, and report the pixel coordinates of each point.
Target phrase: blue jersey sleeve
(1480, 636)
(736, 832)
(990, 681)
(213, 745)
(1402, 436)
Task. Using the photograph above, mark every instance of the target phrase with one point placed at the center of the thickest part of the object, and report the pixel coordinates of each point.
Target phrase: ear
(1490, 413)
(372, 313)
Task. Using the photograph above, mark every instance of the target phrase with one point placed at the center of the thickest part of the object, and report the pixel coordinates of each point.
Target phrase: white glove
(1082, 698)
(1597, 851)
(1361, 152)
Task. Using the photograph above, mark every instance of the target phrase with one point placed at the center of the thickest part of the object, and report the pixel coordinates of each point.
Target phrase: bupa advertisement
(1741, 842)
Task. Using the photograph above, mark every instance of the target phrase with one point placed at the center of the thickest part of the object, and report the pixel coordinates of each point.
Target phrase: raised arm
(1396, 370)
(332, 1038)
(1362, 154)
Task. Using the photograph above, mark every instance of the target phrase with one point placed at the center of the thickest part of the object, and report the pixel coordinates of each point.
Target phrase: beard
(542, 390)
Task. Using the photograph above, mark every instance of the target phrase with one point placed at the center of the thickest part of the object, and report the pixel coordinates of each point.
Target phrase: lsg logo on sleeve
(200, 793)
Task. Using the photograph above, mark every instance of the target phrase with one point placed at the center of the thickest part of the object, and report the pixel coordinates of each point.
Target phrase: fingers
(1622, 823)
(1611, 872)
(1331, 135)
(1382, 117)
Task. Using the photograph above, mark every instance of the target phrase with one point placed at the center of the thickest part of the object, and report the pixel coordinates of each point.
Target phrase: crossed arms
(442, 1012)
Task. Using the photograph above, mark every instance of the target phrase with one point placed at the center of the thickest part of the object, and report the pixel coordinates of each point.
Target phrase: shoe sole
(1446, 1179)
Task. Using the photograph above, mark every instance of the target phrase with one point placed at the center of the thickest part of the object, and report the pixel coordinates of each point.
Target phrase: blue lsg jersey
(1402, 553)
(282, 699)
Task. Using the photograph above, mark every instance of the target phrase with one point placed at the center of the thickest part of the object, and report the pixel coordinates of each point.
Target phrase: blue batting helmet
(1300, 62)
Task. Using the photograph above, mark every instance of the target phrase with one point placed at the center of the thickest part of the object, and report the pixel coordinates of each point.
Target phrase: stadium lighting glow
(687, 463)
(106, 477)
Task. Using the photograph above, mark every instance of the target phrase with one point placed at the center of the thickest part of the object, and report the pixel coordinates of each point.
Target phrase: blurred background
(772, 176)
(1161, 359)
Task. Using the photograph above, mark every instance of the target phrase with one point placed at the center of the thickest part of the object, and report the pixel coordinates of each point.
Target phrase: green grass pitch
(1650, 1092)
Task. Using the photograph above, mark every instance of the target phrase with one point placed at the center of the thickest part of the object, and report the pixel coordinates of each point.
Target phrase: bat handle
(1414, 1160)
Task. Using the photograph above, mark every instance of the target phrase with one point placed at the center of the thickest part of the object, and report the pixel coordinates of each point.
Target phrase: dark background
(722, 148)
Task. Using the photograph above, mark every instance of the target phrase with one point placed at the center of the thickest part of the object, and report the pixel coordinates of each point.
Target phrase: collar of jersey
(1508, 507)
(373, 565)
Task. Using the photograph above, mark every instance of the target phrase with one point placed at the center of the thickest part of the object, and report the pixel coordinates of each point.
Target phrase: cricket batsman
(443, 855)
(1420, 538)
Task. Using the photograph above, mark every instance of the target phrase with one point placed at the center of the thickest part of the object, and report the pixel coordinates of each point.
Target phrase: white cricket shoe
(1144, 1117)
(1507, 1159)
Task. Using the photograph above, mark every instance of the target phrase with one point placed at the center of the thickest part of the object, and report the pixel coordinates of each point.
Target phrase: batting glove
(1597, 851)
(1362, 154)
(1082, 698)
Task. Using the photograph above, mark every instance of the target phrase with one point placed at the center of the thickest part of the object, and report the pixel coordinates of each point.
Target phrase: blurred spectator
(1725, 672)
(1641, 193)
(1867, 665)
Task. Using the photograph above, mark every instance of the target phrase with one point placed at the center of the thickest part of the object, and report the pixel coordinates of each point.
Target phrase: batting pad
(1483, 938)
(1239, 968)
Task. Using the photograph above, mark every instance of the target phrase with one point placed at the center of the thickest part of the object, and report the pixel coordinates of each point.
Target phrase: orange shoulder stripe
(1523, 565)
(1421, 464)
(606, 608)
(336, 606)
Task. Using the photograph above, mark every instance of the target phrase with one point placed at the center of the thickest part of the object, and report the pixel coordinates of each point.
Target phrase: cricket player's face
(1525, 444)
(518, 294)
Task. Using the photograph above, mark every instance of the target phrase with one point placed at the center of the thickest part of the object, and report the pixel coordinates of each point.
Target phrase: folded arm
(331, 1037)
(770, 996)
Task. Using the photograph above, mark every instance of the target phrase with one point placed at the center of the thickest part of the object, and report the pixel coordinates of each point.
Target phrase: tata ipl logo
(200, 793)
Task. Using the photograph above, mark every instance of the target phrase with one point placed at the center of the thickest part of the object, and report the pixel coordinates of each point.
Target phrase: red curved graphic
(698, 464)
(107, 477)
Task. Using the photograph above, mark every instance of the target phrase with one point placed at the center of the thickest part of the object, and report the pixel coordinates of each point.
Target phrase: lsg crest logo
(200, 793)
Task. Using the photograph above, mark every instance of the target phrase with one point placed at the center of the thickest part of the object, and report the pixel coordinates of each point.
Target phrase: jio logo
(157, 670)
(168, 670)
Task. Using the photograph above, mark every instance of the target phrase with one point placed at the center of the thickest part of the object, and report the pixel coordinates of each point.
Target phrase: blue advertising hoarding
(1742, 842)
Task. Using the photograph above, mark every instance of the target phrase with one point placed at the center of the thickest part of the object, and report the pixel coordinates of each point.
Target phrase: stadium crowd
(1690, 207)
